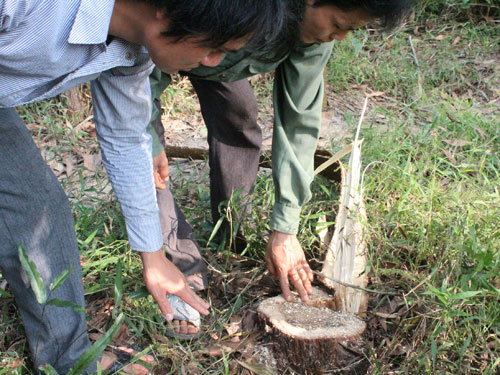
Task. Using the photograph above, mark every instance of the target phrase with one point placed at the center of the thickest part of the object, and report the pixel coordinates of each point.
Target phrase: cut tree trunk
(312, 338)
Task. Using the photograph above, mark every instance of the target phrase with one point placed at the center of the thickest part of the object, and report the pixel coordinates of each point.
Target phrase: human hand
(162, 277)
(285, 259)
(160, 170)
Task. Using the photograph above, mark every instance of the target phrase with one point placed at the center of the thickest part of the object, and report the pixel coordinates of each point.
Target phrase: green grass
(437, 220)
(432, 193)
(431, 151)
(453, 58)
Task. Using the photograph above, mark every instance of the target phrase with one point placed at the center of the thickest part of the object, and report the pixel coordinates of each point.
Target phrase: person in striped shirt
(49, 46)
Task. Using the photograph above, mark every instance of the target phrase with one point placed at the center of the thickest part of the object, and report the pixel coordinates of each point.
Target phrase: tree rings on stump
(311, 338)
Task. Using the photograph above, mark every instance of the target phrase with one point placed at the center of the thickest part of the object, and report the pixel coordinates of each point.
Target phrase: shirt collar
(91, 22)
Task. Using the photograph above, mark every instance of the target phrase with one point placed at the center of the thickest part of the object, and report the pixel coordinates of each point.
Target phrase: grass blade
(142, 292)
(48, 370)
(465, 295)
(216, 228)
(434, 353)
(5, 294)
(90, 237)
(61, 278)
(118, 284)
(97, 348)
(137, 358)
(464, 347)
(34, 277)
(62, 303)
(335, 158)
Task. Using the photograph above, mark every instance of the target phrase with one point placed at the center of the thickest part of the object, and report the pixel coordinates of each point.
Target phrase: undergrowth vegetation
(431, 155)
(431, 189)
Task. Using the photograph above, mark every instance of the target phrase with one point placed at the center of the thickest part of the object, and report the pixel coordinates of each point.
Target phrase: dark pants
(35, 212)
(180, 245)
(234, 140)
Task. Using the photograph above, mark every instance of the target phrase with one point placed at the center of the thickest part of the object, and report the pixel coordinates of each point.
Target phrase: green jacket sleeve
(298, 99)
(158, 81)
(157, 147)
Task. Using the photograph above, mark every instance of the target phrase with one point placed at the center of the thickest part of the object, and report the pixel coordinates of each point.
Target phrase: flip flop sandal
(123, 359)
(182, 311)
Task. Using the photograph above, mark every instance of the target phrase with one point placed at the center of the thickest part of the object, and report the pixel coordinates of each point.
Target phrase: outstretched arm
(298, 99)
(122, 109)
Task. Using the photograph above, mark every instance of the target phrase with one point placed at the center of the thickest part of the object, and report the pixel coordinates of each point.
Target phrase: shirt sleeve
(159, 81)
(12, 13)
(122, 111)
(157, 146)
(298, 99)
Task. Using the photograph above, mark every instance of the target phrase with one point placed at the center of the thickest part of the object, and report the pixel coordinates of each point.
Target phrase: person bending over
(229, 109)
(49, 46)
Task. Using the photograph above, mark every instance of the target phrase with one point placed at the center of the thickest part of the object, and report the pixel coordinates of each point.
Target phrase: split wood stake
(346, 254)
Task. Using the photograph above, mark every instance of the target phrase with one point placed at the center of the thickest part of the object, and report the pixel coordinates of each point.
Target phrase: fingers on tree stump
(311, 338)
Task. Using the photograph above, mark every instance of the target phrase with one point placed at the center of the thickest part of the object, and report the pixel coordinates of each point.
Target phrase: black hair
(292, 28)
(288, 37)
(388, 12)
(263, 22)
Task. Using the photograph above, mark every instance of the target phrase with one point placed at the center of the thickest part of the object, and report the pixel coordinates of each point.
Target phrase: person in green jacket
(229, 109)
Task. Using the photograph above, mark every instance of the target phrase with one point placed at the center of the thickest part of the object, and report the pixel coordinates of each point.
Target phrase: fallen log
(199, 153)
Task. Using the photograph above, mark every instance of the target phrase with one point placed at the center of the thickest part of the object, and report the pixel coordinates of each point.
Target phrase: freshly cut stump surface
(312, 338)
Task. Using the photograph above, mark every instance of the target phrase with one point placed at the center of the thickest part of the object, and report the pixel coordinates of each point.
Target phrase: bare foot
(184, 327)
(109, 359)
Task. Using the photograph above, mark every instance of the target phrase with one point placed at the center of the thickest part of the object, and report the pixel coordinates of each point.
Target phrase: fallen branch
(198, 153)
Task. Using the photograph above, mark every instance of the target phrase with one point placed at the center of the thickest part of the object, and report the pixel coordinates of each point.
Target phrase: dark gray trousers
(34, 212)
(178, 238)
(234, 138)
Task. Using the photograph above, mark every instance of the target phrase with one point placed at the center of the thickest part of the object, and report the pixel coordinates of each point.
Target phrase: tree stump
(312, 338)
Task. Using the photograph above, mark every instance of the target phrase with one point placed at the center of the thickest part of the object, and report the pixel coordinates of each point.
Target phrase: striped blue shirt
(50, 46)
